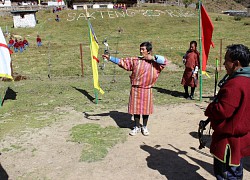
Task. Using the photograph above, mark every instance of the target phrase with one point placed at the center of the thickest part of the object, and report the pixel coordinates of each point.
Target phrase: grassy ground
(169, 28)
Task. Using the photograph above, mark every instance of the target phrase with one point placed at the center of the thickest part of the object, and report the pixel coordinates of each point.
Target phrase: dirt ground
(170, 152)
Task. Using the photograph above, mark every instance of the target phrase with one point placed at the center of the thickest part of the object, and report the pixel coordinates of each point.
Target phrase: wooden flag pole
(81, 58)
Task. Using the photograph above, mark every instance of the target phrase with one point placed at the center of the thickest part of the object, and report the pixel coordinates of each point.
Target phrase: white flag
(5, 69)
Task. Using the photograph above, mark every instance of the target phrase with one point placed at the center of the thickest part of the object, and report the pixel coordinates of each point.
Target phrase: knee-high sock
(145, 119)
(186, 90)
(137, 120)
(192, 91)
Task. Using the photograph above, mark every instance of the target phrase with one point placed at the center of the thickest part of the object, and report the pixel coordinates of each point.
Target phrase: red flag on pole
(207, 33)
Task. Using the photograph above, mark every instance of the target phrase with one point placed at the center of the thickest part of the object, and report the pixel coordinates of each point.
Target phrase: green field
(169, 28)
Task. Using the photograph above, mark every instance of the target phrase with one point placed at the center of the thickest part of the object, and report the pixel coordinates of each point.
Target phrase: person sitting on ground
(25, 42)
(21, 45)
(57, 18)
(11, 42)
(16, 45)
(38, 41)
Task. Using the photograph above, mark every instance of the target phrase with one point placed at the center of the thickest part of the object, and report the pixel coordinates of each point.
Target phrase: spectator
(11, 42)
(57, 18)
(16, 45)
(26, 43)
(190, 77)
(21, 45)
(38, 41)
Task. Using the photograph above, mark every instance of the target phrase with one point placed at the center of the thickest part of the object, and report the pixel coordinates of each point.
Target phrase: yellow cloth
(94, 60)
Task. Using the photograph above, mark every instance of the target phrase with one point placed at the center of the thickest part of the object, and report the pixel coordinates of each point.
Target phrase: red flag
(207, 33)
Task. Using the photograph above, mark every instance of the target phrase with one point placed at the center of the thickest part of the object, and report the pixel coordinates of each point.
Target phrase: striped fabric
(144, 76)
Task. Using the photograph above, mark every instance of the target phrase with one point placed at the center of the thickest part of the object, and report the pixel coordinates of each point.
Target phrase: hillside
(218, 6)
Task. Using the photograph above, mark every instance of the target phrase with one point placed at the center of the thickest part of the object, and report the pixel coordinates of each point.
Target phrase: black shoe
(191, 97)
(186, 96)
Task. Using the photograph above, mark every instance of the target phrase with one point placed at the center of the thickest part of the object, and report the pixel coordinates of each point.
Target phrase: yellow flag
(94, 60)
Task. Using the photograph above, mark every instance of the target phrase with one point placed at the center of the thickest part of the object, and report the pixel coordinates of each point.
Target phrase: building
(24, 18)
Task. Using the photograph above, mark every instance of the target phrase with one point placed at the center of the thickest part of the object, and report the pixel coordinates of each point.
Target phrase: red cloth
(230, 120)
(4, 45)
(144, 75)
(207, 33)
(192, 60)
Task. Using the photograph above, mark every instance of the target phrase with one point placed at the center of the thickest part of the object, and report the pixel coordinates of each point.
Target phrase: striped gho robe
(144, 76)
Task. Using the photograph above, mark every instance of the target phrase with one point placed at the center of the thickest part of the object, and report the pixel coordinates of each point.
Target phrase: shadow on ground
(170, 92)
(85, 93)
(171, 165)
(123, 120)
(9, 94)
(3, 173)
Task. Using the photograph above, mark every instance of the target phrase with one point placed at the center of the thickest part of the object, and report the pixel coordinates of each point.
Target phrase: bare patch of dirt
(170, 152)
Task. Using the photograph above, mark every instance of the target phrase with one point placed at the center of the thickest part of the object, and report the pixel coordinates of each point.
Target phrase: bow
(201, 129)
(106, 51)
(202, 123)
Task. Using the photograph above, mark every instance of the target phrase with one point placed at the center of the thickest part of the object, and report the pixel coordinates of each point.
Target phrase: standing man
(190, 75)
(230, 116)
(145, 72)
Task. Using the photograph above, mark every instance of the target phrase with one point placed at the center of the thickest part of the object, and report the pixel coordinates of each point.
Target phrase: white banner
(5, 60)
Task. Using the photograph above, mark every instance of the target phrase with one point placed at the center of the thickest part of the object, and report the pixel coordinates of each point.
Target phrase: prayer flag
(207, 33)
(94, 47)
(5, 60)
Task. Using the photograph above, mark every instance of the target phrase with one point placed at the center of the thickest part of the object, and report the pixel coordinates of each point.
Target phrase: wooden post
(81, 58)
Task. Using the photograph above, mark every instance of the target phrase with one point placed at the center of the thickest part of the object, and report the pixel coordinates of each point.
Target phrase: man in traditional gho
(145, 72)
(190, 75)
(229, 114)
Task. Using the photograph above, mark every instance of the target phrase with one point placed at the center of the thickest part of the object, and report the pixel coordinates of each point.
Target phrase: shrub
(237, 18)
(218, 18)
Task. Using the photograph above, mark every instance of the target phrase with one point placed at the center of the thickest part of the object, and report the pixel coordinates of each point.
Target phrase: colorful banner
(5, 60)
(94, 47)
(207, 33)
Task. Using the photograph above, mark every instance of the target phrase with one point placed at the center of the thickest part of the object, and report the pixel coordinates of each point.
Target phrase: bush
(237, 18)
(218, 18)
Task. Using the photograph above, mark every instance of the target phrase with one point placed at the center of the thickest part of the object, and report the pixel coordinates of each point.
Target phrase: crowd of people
(22, 44)
(120, 6)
